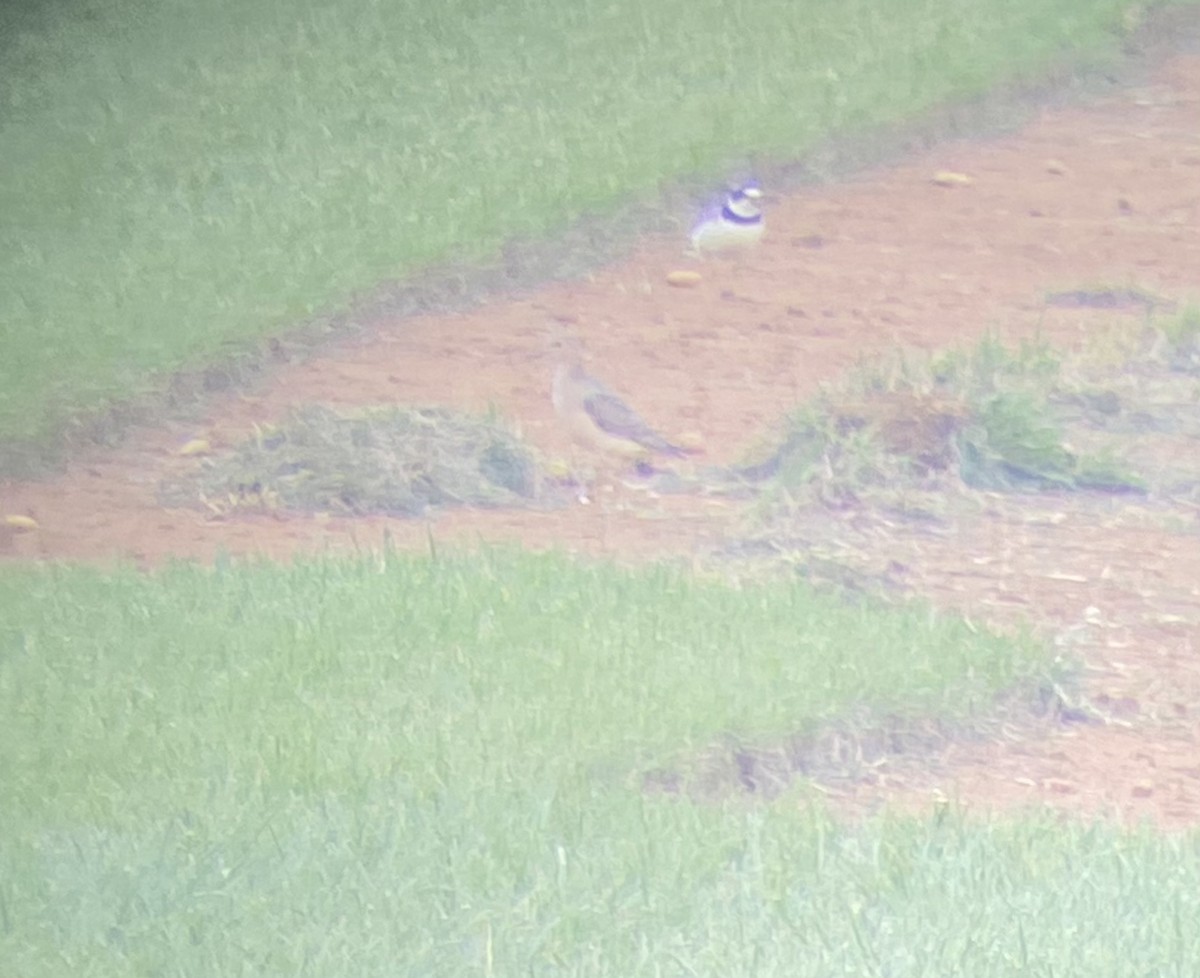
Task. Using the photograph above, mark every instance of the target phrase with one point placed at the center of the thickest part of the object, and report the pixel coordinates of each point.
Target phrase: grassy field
(391, 766)
(403, 766)
(177, 184)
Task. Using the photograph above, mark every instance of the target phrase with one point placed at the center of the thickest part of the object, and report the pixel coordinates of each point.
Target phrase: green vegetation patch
(988, 418)
(1014, 438)
(397, 461)
(1182, 336)
(914, 445)
(388, 765)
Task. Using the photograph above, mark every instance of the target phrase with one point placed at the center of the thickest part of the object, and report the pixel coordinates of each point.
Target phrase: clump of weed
(1013, 443)
(1182, 336)
(839, 448)
(983, 417)
(396, 461)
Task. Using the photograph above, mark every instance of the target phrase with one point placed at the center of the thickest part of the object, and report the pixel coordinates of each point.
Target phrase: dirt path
(1103, 195)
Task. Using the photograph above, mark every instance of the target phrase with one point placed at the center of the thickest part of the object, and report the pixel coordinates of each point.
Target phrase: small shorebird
(734, 225)
(600, 419)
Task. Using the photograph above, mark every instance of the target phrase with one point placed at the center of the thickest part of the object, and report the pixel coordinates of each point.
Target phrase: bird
(735, 224)
(600, 419)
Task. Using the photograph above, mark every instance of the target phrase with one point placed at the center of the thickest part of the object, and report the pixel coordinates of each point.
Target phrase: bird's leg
(582, 479)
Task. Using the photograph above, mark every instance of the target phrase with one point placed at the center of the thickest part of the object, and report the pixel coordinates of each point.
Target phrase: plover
(734, 225)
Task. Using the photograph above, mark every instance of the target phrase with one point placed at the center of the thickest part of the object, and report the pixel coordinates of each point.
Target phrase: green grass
(992, 416)
(176, 184)
(1182, 334)
(390, 765)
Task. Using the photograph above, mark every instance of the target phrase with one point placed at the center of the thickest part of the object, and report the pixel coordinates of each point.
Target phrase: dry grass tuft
(392, 461)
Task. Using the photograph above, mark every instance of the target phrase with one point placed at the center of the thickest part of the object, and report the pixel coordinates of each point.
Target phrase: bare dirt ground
(1106, 194)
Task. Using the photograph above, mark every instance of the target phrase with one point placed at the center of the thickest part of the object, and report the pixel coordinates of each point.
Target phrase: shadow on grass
(865, 747)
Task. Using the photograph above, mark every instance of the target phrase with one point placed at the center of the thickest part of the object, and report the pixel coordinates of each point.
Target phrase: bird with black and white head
(735, 224)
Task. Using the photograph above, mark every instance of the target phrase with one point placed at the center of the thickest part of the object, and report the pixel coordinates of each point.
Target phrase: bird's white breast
(719, 235)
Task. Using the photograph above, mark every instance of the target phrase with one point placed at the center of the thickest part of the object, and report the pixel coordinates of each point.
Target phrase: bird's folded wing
(616, 418)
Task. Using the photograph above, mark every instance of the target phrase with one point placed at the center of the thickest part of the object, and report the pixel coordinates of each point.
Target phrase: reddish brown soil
(1108, 194)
